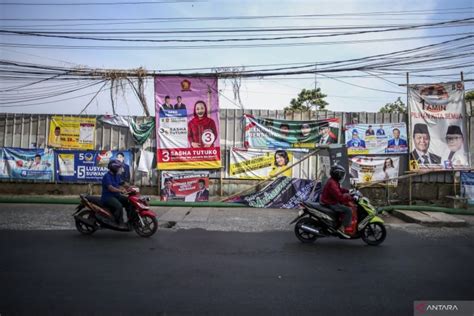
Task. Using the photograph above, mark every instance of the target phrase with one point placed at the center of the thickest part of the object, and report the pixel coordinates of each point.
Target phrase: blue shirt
(110, 179)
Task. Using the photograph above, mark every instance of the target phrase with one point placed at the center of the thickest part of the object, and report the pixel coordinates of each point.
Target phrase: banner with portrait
(248, 163)
(26, 164)
(91, 165)
(363, 169)
(376, 139)
(188, 186)
(275, 133)
(438, 126)
(283, 192)
(467, 186)
(72, 132)
(187, 123)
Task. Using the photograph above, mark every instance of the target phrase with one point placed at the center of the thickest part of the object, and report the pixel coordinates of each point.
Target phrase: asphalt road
(228, 273)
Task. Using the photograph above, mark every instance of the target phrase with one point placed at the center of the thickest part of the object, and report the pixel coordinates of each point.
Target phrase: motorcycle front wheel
(302, 235)
(149, 226)
(374, 234)
(84, 228)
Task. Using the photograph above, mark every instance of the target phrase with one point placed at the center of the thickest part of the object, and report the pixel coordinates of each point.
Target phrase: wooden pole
(410, 188)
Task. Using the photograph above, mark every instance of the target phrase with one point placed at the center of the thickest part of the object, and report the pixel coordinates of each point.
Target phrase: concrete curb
(434, 219)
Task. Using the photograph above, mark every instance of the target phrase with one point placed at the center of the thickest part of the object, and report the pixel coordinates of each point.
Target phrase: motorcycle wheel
(303, 236)
(374, 234)
(149, 227)
(84, 228)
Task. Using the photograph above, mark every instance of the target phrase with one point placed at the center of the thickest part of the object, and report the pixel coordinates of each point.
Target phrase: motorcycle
(91, 215)
(315, 221)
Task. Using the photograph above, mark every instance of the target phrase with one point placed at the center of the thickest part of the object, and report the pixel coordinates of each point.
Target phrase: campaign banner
(467, 186)
(283, 192)
(26, 164)
(376, 139)
(187, 123)
(72, 132)
(438, 126)
(370, 169)
(89, 166)
(274, 133)
(247, 163)
(188, 186)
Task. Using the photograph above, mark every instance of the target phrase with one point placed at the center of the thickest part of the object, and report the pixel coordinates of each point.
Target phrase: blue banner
(89, 166)
(26, 164)
(467, 186)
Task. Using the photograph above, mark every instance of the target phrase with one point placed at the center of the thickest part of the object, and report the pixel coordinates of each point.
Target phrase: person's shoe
(341, 232)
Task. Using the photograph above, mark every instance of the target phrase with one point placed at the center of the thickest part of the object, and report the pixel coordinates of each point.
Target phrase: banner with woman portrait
(188, 186)
(374, 139)
(187, 123)
(438, 126)
(274, 133)
(363, 169)
(26, 164)
(248, 163)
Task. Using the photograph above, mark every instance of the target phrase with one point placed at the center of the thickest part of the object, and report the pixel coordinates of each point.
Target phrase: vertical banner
(273, 133)
(90, 166)
(369, 169)
(247, 163)
(467, 186)
(438, 126)
(72, 132)
(188, 186)
(26, 164)
(187, 123)
(375, 139)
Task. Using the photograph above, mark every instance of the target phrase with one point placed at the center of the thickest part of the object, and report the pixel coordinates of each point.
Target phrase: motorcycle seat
(321, 208)
(95, 199)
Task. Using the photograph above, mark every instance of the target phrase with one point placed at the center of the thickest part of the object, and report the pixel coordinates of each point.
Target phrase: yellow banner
(71, 132)
(192, 165)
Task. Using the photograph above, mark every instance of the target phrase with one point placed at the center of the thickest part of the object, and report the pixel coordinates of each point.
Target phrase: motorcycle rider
(111, 191)
(334, 196)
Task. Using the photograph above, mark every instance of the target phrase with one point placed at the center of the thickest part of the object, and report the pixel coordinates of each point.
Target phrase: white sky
(256, 93)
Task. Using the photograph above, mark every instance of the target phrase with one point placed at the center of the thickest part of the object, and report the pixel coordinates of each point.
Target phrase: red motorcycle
(92, 215)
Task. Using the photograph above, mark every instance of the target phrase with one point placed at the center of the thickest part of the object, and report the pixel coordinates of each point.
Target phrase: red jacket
(333, 193)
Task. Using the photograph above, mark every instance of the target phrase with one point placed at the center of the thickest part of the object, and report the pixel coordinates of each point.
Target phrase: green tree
(308, 100)
(469, 95)
(395, 107)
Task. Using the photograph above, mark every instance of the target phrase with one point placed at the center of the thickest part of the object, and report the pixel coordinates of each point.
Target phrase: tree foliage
(394, 107)
(469, 95)
(311, 99)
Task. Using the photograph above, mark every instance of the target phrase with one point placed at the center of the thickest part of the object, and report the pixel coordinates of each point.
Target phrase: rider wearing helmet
(111, 190)
(333, 197)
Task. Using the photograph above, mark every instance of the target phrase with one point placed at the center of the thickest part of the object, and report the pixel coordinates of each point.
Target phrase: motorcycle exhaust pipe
(310, 229)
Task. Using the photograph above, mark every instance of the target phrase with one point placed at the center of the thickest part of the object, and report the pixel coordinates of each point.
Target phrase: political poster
(274, 133)
(187, 123)
(187, 186)
(369, 169)
(467, 186)
(438, 126)
(72, 132)
(248, 163)
(283, 192)
(90, 166)
(376, 139)
(26, 164)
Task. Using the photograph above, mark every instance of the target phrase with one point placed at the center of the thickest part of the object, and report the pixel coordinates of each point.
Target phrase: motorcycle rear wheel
(149, 228)
(374, 234)
(82, 227)
(303, 236)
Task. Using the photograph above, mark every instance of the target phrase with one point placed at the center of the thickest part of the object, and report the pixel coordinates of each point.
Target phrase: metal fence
(31, 131)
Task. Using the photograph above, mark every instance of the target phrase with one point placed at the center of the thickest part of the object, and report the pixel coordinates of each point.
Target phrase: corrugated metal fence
(31, 130)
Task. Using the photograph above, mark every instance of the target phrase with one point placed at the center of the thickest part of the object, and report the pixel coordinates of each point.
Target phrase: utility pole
(315, 76)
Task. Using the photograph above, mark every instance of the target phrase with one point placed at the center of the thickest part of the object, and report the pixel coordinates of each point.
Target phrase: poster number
(165, 156)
